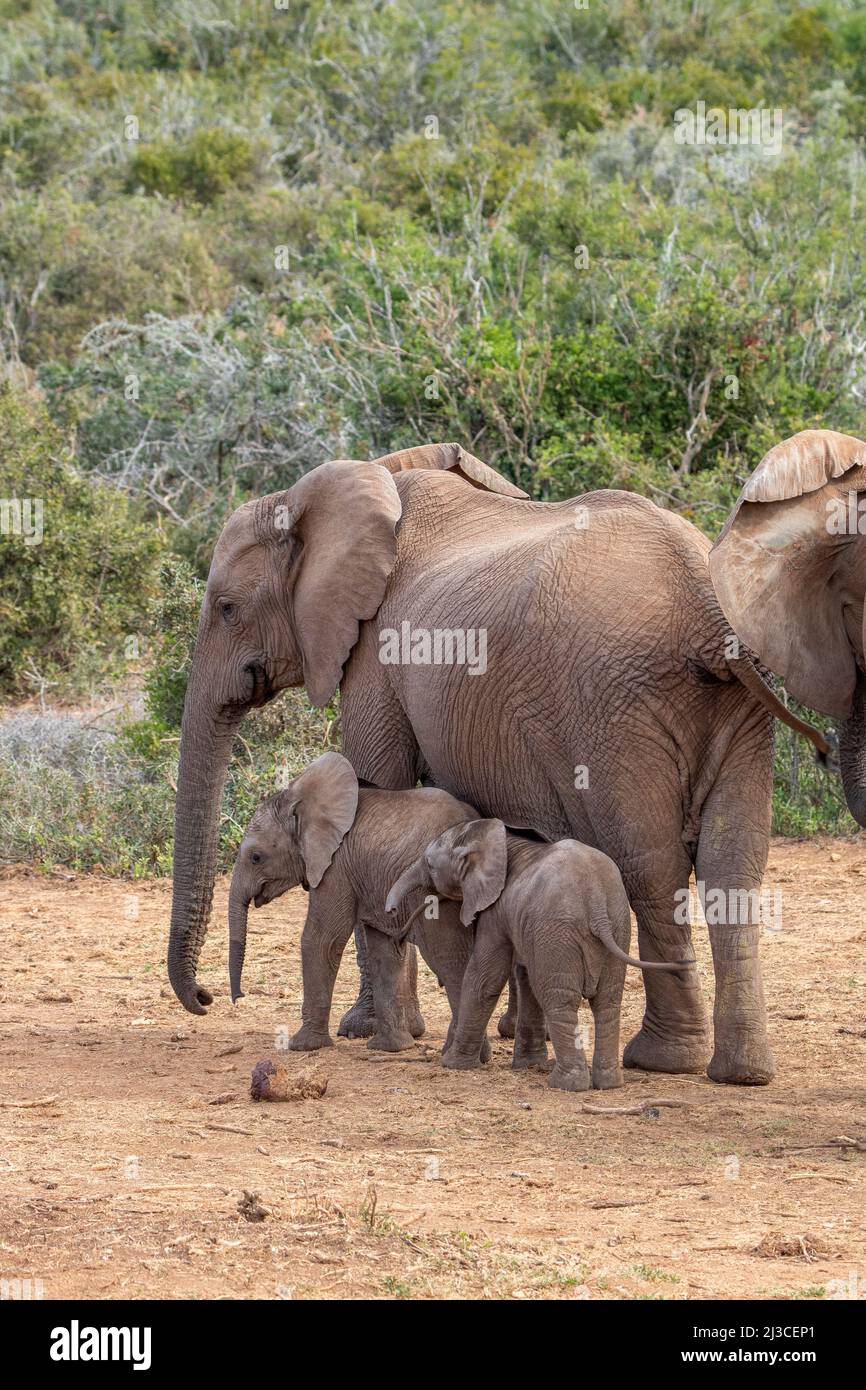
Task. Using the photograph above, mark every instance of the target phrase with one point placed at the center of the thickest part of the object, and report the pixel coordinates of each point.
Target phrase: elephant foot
(606, 1078)
(507, 1025)
(530, 1057)
(458, 1061)
(569, 1079)
(394, 1040)
(360, 1021)
(415, 1022)
(310, 1039)
(744, 1063)
(652, 1052)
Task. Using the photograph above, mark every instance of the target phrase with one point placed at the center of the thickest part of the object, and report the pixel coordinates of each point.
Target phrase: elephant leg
(379, 743)
(508, 1021)
(483, 982)
(606, 1005)
(323, 941)
(446, 946)
(453, 989)
(561, 1004)
(386, 961)
(360, 1020)
(530, 1037)
(673, 1036)
(409, 993)
(730, 863)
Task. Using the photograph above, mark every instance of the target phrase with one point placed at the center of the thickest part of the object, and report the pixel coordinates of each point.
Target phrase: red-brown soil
(404, 1180)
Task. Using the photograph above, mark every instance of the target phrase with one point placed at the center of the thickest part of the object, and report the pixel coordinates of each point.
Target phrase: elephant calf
(561, 911)
(346, 845)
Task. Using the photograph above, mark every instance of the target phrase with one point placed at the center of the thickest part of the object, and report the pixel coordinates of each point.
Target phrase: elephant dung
(271, 1081)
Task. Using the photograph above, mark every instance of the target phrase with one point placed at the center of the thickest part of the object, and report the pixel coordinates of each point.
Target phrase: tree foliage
(239, 239)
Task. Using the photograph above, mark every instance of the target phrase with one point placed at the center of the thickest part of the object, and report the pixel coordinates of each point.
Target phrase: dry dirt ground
(128, 1136)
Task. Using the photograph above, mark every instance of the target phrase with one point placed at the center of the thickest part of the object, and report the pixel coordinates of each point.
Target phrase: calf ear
(480, 862)
(324, 799)
(790, 573)
(451, 457)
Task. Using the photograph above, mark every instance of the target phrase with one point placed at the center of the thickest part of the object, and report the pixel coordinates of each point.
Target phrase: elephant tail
(746, 671)
(599, 925)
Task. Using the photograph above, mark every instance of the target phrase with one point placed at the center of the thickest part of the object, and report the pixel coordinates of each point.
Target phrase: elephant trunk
(205, 749)
(239, 907)
(416, 876)
(852, 753)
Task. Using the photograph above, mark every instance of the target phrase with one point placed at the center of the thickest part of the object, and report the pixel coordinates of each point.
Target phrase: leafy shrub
(198, 169)
(66, 264)
(67, 601)
(428, 174)
(73, 796)
(807, 798)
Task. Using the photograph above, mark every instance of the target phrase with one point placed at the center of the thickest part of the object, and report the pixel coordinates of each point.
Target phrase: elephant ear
(342, 518)
(480, 861)
(319, 807)
(451, 457)
(790, 572)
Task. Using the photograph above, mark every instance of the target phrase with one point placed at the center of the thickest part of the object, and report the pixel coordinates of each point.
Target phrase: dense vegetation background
(239, 237)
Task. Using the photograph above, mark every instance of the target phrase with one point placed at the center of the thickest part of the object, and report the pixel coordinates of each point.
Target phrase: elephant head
(467, 863)
(291, 840)
(292, 578)
(789, 570)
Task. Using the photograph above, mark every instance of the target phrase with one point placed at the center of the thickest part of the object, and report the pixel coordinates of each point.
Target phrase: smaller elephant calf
(346, 844)
(561, 910)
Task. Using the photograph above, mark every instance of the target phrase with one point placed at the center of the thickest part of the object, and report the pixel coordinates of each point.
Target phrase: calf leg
(323, 940)
(360, 1021)
(386, 962)
(560, 1000)
(379, 743)
(483, 983)
(606, 1005)
(530, 1037)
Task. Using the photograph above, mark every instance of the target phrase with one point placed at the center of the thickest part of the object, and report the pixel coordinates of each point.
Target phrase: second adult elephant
(563, 667)
(790, 572)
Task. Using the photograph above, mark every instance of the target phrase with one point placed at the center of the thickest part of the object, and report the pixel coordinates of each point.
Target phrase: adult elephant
(789, 570)
(610, 706)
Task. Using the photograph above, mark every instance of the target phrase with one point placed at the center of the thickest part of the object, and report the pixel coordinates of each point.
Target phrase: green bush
(199, 169)
(75, 588)
(369, 236)
(807, 798)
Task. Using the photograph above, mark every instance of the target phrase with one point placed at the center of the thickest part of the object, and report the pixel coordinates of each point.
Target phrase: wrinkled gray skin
(607, 653)
(346, 846)
(562, 913)
(789, 569)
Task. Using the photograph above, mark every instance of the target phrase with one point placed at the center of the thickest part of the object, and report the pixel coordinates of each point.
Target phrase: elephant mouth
(261, 687)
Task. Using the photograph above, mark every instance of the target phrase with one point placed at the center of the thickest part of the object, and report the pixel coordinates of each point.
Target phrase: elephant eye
(228, 611)
(256, 858)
